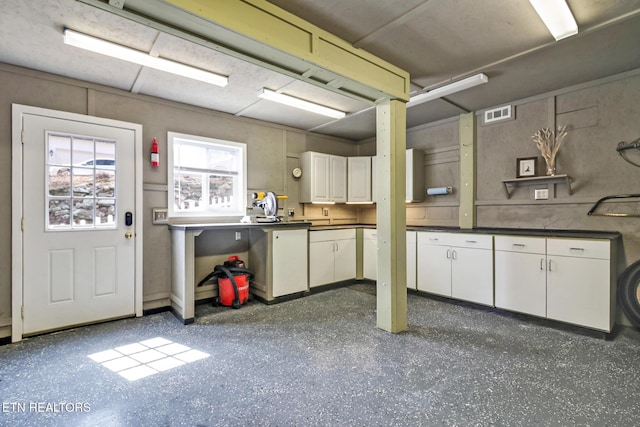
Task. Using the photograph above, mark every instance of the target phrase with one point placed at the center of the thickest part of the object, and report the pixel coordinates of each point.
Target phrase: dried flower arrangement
(549, 142)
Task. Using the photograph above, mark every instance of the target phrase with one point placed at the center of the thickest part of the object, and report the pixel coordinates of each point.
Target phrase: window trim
(242, 176)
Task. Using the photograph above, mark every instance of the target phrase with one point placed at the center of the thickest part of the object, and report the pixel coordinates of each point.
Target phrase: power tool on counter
(268, 201)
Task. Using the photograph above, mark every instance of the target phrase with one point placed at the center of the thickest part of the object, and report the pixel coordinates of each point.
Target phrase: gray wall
(598, 115)
(273, 151)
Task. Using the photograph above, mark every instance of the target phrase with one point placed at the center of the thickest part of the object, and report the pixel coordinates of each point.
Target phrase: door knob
(128, 235)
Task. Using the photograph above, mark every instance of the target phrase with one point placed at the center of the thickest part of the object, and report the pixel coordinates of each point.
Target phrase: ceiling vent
(498, 114)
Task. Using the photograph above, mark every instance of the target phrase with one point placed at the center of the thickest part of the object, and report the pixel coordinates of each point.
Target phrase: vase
(551, 166)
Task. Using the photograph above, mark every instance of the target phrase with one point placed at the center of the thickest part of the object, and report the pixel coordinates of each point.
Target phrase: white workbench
(291, 237)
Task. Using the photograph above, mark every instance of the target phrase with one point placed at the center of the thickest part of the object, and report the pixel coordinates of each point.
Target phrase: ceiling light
(300, 103)
(454, 87)
(557, 16)
(83, 41)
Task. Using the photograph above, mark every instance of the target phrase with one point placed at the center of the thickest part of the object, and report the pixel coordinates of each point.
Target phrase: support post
(467, 209)
(391, 216)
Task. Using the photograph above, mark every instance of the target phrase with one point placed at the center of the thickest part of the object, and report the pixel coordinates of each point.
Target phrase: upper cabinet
(415, 187)
(415, 176)
(359, 179)
(324, 178)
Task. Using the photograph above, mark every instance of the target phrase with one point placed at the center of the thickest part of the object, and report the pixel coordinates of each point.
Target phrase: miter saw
(268, 201)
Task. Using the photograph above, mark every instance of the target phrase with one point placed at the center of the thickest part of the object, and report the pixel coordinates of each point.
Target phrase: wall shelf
(511, 184)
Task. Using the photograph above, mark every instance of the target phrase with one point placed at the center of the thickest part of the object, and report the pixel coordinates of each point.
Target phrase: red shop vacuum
(233, 282)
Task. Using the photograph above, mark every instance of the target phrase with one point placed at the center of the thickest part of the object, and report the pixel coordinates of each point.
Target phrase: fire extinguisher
(155, 156)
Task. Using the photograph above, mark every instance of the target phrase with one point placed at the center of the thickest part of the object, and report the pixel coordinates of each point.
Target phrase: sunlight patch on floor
(145, 358)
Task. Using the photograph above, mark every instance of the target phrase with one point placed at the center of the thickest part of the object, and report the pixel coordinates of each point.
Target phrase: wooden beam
(259, 29)
(391, 216)
(467, 209)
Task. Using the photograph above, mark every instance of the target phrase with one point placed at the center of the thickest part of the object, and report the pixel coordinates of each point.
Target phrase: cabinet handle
(576, 249)
(453, 255)
(549, 265)
(448, 253)
(518, 245)
(433, 239)
(541, 262)
(471, 241)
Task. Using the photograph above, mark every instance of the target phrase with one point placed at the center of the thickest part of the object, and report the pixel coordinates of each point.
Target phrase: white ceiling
(437, 41)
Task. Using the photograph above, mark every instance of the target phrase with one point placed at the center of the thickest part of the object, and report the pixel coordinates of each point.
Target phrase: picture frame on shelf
(526, 167)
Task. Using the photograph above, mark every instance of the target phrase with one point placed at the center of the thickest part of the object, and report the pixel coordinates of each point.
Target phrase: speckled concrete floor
(321, 361)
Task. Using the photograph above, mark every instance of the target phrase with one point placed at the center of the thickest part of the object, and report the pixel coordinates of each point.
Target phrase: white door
(79, 234)
(472, 275)
(359, 179)
(579, 291)
(289, 262)
(338, 179)
(321, 269)
(320, 178)
(411, 259)
(434, 268)
(344, 260)
(521, 282)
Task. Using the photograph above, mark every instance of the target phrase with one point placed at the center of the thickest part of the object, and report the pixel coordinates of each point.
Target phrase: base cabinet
(370, 256)
(456, 265)
(332, 256)
(569, 280)
(278, 259)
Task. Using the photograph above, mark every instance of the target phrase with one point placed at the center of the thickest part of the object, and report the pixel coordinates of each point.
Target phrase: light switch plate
(160, 216)
(541, 193)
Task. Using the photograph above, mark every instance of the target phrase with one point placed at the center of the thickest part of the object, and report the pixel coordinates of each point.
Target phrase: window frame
(174, 138)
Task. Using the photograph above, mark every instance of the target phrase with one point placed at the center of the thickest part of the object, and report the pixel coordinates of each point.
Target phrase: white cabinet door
(415, 185)
(434, 269)
(370, 254)
(289, 274)
(578, 291)
(314, 183)
(521, 282)
(472, 275)
(338, 179)
(359, 179)
(411, 259)
(321, 270)
(344, 260)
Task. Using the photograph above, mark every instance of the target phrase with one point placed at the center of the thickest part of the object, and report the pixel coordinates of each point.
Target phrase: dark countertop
(238, 225)
(578, 234)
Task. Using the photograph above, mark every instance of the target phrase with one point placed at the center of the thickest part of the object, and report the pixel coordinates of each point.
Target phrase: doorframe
(17, 247)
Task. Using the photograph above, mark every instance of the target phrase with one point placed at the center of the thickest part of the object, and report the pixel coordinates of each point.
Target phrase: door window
(81, 182)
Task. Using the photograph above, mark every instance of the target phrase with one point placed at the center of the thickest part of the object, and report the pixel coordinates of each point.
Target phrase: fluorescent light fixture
(557, 16)
(323, 203)
(449, 89)
(83, 41)
(300, 103)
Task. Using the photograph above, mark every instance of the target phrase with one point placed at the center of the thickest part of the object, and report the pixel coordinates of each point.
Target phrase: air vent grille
(498, 114)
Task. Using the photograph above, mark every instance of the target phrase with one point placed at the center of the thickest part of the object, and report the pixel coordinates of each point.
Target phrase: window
(207, 177)
(81, 183)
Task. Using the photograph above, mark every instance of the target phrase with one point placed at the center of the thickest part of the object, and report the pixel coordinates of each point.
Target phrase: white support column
(391, 216)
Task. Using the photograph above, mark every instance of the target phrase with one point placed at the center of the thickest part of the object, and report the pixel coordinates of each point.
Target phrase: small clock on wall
(296, 172)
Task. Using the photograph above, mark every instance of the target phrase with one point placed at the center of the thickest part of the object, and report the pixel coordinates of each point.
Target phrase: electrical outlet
(160, 216)
(541, 193)
(238, 235)
(325, 211)
(291, 212)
